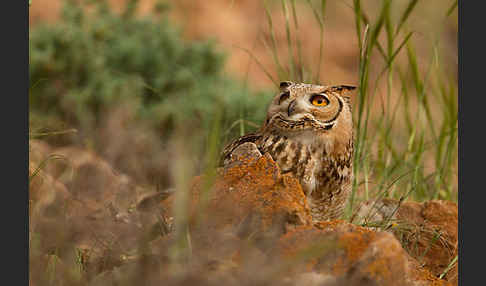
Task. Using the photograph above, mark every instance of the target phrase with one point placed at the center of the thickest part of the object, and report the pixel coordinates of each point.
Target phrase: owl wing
(226, 153)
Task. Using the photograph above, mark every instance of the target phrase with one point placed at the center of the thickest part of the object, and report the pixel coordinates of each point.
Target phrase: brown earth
(252, 219)
(81, 203)
(350, 254)
(253, 195)
(428, 231)
(433, 232)
(354, 255)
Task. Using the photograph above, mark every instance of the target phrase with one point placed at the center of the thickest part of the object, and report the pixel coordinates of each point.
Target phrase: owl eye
(284, 97)
(319, 100)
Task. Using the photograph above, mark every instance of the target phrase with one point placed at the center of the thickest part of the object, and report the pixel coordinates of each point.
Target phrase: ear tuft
(342, 89)
(285, 84)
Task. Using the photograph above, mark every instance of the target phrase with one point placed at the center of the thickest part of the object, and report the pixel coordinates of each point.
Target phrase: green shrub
(89, 62)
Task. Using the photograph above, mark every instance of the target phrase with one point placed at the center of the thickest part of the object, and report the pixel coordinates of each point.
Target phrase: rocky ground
(246, 225)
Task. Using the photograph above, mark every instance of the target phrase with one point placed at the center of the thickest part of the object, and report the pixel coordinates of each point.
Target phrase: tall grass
(405, 118)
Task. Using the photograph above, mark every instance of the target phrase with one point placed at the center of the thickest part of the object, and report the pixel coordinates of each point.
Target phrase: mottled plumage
(309, 133)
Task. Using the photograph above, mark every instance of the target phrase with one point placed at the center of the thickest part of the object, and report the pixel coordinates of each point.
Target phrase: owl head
(299, 106)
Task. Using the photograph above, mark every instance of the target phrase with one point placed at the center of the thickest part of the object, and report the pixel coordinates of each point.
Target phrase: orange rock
(427, 231)
(249, 218)
(253, 196)
(353, 255)
(432, 234)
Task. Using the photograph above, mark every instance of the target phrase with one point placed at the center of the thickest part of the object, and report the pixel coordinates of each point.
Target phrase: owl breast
(326, 180)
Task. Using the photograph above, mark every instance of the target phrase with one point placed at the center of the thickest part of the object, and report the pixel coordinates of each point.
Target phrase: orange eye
(319, 100)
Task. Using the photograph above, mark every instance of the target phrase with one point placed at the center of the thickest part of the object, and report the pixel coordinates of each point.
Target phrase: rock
(427, 231)
(242, 153)
(84, 204)
(247, 223)
(314, 279)
(351, 254)
(375, 212)
(38, 151)
(430, 234)
(47, 196)
(252, 196)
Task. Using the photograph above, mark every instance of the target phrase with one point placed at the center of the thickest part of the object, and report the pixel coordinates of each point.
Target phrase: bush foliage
(89, 62)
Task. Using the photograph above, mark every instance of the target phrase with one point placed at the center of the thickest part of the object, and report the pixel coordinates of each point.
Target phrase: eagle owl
(308, 131)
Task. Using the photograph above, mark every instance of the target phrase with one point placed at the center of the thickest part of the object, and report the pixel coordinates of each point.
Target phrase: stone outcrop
(246, 222)
(427, 231)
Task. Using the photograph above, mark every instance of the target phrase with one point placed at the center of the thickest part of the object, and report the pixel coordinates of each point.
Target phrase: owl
(308, 132)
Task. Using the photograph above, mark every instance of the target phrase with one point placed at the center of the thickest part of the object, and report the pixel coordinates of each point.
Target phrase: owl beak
(291, 108)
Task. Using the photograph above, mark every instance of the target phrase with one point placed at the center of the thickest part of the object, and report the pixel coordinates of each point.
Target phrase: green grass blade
(411, 5)
(395, 53)
(259, 64)
(298, 42)
(358, 19)
(44, 162)
(449, 267)
(320, 21)
(273, 46)
(289, 41)
(451, 9)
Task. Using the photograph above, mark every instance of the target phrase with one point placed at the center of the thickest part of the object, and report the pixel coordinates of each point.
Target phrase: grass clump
(405, 110)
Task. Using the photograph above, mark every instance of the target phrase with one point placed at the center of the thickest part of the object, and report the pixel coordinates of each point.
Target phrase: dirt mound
(248, 224)
(80, 203)
(254, 193)
(353, 255)
(427, 231)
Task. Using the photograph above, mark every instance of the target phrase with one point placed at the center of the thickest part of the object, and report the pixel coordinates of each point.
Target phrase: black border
(14, 25)
(471, 50)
